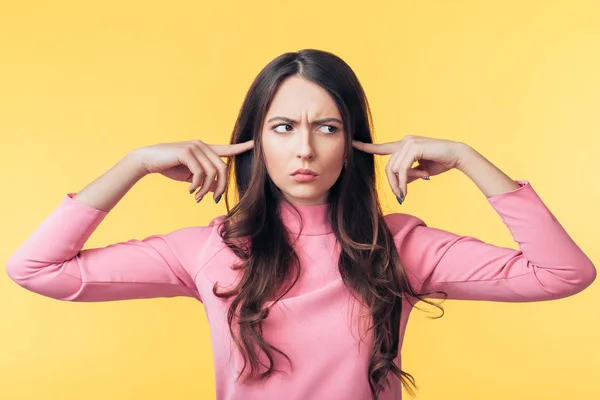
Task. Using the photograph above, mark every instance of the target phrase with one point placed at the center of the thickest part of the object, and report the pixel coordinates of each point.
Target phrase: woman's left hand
(434, 156)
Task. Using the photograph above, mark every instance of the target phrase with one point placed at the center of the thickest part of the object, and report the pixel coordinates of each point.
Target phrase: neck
(309, 220)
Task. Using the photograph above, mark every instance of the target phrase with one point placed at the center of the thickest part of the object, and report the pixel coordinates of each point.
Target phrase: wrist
(133, 162)
(465, 156)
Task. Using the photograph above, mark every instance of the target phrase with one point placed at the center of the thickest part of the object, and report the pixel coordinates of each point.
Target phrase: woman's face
(303, 129)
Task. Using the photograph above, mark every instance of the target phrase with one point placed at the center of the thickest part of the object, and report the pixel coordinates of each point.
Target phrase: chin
(305, 195)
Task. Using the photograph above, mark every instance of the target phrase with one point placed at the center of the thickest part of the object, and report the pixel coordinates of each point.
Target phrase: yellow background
(82, 83)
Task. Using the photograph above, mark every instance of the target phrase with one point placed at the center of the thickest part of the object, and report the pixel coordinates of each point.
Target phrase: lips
(304, 171)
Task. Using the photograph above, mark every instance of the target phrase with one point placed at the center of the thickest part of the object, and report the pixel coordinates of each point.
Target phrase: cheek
(335, 155)
(274, 157)
(333, 163)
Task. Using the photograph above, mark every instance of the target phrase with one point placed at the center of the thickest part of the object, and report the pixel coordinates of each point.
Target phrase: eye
(334, 129)
(280, 131)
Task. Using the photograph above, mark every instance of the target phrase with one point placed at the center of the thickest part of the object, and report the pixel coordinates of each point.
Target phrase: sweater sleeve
(548, 265)
(51, 261)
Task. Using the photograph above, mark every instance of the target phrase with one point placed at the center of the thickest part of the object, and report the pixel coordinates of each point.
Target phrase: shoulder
(401, 224)
(410, 235)
(191, 242)
(191, 246)
(197, 233)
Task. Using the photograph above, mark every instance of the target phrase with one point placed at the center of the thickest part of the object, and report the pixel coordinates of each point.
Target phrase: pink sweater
(311, 323)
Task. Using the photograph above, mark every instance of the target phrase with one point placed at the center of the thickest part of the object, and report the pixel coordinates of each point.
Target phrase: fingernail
(198, 200)
(218, 198)
(426, 178)
(400, 198)
(191, 191)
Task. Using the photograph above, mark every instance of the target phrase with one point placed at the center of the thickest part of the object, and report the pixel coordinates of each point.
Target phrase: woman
(307, 286)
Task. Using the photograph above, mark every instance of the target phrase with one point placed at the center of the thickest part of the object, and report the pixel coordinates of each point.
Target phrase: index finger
(375, 148)
(228, 150)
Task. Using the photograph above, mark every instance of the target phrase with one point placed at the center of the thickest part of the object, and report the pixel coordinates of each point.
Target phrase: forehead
(296, 97)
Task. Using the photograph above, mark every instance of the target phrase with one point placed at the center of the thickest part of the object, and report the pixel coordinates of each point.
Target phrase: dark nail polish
(218, 198)
(198, 200)
(399, 199)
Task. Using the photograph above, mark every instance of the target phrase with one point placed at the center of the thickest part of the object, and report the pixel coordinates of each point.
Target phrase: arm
(488, 178)
(108, 189)
(548, 265)
(51, 262)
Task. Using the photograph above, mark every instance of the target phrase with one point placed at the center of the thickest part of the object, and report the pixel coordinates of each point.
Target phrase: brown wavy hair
(369, 263)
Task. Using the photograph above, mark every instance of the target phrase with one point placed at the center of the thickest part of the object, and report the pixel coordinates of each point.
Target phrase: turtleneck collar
(315, 219)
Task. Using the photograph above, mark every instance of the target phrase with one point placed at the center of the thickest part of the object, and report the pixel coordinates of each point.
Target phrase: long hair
(369, 263)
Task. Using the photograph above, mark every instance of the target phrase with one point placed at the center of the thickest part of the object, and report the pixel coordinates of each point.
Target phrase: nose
(306, 150)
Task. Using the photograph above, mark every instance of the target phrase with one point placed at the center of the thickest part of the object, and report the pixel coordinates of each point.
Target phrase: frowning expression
(303, 130)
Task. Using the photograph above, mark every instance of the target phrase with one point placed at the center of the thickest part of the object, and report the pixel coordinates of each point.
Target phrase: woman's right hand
(192, 161)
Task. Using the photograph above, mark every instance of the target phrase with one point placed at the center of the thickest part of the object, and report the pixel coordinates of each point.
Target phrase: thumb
(419, 172)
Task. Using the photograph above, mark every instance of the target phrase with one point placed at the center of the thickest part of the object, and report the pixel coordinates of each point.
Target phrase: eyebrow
(315, 122)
